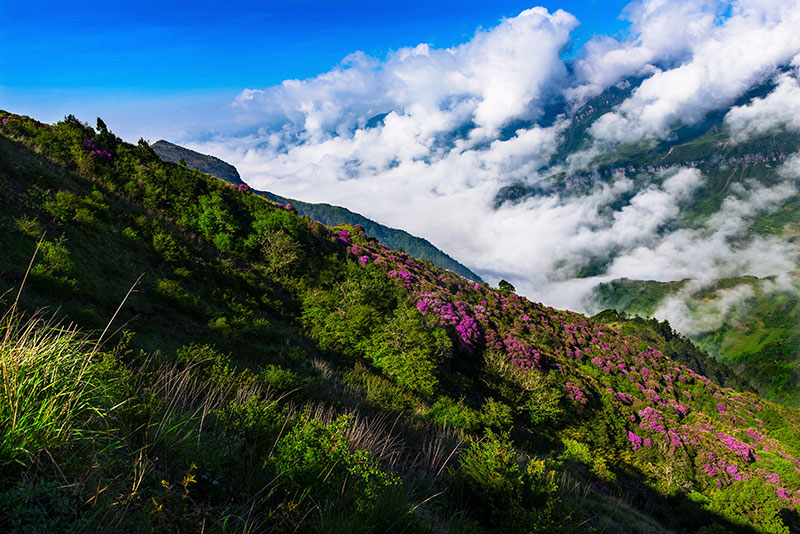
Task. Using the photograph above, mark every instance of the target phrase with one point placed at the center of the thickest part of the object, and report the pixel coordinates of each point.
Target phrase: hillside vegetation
(324, 213)
(266, 373)
(759, 338)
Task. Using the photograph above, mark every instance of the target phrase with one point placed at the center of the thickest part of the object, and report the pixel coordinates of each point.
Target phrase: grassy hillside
(271, 374)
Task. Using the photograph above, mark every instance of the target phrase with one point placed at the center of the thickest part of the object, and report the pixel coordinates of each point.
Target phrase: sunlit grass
(48, 385)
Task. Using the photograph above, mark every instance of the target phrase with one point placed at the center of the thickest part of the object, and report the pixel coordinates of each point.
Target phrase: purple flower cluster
(652, 420)
(576, 395)
(662, 398)
(737, 447)
(344, 236)
(522, 354)
(624, 398)
(456, 314)
(636, 441)
(681, 410)
(91, 149)
(404, 275)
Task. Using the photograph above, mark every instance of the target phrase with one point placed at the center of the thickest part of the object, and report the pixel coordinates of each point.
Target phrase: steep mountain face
(324, 213)
(364, 390)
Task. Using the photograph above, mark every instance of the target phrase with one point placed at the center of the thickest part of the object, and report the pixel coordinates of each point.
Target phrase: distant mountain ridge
(195, 160)
(325, 213)
(391, 237)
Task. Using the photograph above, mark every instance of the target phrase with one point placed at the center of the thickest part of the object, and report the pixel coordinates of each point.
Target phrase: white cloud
(435, 162)
(780, 108)
(497, 75)
(692, 316)
(662, 31)
(725, 61)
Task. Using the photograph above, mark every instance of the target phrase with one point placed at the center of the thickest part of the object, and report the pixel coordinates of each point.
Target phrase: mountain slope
(758, 336)
(324, 213)
(745, 198)
(311, 379)
(391, 237)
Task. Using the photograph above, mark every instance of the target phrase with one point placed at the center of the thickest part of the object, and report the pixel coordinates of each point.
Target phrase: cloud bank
(780, 108)
(425, 138)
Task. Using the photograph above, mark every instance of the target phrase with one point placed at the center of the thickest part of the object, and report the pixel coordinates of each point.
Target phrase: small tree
(506, 286)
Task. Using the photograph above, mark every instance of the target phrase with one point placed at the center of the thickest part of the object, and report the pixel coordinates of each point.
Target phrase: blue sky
(135, 60)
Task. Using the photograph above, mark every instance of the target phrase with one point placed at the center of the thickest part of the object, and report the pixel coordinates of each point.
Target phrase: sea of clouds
(424, 138)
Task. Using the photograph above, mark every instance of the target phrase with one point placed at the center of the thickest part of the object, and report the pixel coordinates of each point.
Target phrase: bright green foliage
(315, 459)
(511, 493)
(497, 414)
(168, 247)
(214, 220)
(254, 421)
(66, 206)
(54, 260)
(532, 392)
(448, 412)
(753, 501)
(49, 390)
(279, 378)
(342, 318)
(409, 352)
(576, 451)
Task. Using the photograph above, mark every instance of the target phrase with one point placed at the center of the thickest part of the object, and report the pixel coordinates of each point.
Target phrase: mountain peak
(195, 160)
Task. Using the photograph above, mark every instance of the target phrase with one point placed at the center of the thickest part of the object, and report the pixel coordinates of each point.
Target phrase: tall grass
(47, 388)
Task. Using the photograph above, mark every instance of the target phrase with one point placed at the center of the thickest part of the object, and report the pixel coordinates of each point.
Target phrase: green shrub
(409, 352)
(168, 248)
(532, 390)
(503, 490)
(382, 392)
(66, 206)
(496, 414)
(213, 365)
(315, 459)
(446, 411)
(279, 378)
(576, 451)
(255, 421)
(750, 503)
(130, 234)
(29, 227)
(55, 258)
